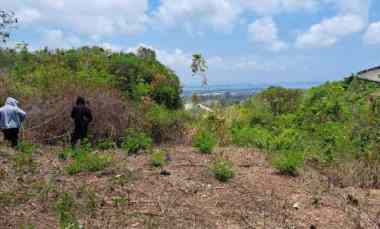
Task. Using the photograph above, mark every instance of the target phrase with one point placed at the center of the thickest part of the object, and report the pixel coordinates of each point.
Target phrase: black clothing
(11, 135)
(82, 117)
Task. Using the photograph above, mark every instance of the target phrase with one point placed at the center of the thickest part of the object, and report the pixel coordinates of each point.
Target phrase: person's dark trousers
(80, 133)
(11, 135)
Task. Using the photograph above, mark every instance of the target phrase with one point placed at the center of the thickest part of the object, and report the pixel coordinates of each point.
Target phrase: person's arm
(89, 115)
(21, 114)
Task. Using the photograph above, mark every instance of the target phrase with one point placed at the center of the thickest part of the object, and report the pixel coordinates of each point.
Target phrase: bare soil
(257, 197)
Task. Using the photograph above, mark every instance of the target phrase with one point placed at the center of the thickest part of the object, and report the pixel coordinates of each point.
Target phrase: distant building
(371, 74)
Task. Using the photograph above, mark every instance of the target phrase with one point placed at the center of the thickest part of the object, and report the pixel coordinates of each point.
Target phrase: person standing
(82, 117)
(11, 118)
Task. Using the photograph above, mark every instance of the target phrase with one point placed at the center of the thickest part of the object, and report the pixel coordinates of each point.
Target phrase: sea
(240, 89)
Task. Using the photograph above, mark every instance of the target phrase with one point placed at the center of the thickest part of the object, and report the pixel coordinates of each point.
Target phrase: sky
(243, 41)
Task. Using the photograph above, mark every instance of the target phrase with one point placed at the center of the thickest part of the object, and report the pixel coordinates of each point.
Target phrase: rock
(296, 205)
(165, 173)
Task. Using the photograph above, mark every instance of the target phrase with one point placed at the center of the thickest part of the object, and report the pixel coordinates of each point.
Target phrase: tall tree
(7, 21)
(199, 67)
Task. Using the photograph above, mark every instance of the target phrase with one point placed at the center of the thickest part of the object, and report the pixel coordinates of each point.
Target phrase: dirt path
(189, 198)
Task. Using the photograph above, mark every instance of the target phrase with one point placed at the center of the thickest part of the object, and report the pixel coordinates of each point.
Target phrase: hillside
(131, 193)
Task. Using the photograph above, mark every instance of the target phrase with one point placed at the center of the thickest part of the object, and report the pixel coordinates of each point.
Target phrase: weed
(158, 158)
(106, 144)
(24, 163)
(288, 163)
(205, 141)
(222, 169)
(26, 147)
(134, 141)
(90, 200)
(120, 201)
(88, 162)
(65, 210)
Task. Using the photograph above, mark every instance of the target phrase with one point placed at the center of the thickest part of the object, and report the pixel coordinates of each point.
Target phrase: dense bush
(135, 140)
(251, 137)
(222, 169)
(335, 125)
(204, 141)
(47, 83)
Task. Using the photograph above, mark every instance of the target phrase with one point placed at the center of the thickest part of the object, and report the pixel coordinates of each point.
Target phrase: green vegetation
(65, 210)
(85, 160)
(287, 163)
(26, 147)
(204, 141)
(135, 140)
(23, 161)
(333, 125)
(158, 158)
(222, 169)
(127, 84)
(106, 144)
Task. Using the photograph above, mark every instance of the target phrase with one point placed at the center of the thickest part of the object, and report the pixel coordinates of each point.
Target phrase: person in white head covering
(11, 118)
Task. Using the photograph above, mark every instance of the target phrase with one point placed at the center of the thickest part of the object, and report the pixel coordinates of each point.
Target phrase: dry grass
(132, 194)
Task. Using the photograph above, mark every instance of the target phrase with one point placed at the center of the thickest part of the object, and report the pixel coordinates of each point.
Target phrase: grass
(205, 141)
(288, 163)
(65, 210)
(135, 141)
(158, 158)
(88, 162)
(222, 169)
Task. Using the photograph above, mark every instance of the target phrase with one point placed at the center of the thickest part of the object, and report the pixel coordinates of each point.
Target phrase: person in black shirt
(82, 117)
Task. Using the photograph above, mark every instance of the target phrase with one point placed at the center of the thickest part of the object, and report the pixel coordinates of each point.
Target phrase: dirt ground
(132, 194)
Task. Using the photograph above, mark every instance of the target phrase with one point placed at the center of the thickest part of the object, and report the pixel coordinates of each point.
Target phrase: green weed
(222, 169)
(204, 141)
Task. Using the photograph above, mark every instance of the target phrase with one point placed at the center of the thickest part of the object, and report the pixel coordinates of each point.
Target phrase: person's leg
(74, 137)
(14, 136)
(7, 135)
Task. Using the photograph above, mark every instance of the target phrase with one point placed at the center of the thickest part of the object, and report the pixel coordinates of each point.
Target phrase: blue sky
(244, 41)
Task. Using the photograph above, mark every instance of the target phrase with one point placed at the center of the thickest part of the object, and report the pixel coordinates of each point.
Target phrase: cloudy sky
(245, 41)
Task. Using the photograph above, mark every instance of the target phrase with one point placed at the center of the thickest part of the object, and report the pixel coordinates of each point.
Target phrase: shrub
(222, 169)
(165, 124)
(251, 137)
(106, 144)
(134, 141)
(204, 141)
(26, 147)
(286, 140)
(158, 158)
(65, 209)
(88, 162)
(287, 163)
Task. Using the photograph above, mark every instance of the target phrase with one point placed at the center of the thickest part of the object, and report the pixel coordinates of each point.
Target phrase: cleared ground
(133, 194)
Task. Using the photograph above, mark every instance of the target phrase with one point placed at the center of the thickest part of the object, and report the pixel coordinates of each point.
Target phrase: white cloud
(270, 7)
(329, 31)
(372, 35)
(219, 14)
(28, 15)
(57, 39)
(88, 17)
(352, 17)
(265, 31)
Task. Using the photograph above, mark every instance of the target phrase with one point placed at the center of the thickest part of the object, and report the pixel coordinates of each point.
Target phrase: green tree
(7, 20)
(146, 53)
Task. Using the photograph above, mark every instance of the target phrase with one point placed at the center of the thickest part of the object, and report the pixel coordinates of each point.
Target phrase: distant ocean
(188, 90)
